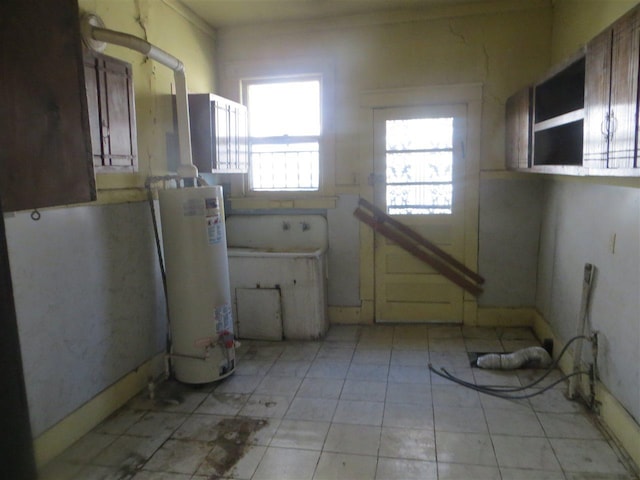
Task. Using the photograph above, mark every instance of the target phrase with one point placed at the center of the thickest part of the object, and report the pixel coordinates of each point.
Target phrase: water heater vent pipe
(96, 37)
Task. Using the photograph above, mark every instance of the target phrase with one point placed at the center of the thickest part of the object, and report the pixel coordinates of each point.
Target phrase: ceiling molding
(428, 13)
(244, 13)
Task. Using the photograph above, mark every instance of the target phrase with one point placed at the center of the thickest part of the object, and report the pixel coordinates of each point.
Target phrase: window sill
(257, 203)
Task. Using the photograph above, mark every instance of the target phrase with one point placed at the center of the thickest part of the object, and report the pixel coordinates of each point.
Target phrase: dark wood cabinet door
(121, 112)
(112, 117)
(611, 95)
(45, 148)
(518, 130)
(625, 57)
(596, 101)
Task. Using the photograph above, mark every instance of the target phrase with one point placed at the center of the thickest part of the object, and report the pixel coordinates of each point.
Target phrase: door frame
(424, 310)
(467, 94)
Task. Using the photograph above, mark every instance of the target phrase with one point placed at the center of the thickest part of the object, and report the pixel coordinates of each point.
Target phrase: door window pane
(420, 134)
(411, 167)
(419, 166)
(419, 199)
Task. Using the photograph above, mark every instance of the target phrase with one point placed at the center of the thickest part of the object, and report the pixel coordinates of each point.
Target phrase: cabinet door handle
(105, 128)
(613, 125)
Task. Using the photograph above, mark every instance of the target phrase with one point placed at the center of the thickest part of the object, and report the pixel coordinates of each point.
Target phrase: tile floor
(361, 404)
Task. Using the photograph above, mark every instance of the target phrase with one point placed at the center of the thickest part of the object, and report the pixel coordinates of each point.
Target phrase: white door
(419, 172)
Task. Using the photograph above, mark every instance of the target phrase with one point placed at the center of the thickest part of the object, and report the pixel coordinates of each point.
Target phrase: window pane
(284, 128)
(419, 133)
(284, 108)
(285, 167)
(419, 198)
(419, 167)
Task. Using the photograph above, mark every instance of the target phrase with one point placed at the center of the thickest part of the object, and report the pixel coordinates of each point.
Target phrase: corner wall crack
(453, 32)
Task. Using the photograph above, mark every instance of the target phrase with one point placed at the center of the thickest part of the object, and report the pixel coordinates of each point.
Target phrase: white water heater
(197, 268)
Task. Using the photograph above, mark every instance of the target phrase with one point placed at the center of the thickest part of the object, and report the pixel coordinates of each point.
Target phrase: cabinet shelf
(560, 120)
(560, 145)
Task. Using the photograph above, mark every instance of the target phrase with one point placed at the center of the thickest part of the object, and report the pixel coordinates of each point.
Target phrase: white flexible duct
(94, 34)
(531, 357)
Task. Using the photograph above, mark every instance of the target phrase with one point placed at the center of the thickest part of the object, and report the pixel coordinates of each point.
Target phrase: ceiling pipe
(95, 36)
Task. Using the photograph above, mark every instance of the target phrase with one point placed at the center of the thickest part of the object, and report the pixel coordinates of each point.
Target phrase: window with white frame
(285, 126)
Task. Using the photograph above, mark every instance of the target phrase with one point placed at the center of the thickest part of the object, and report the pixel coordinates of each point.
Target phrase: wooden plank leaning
(417, 252)
(381, 216)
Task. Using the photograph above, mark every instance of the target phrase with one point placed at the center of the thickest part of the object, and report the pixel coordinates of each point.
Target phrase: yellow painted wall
(502, 45)
(575, 22)
(167, 25)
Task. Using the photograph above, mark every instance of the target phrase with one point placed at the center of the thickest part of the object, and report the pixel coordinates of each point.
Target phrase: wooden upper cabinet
(112, 116)
(45, 148)
(611, 95)
(219, 134)
(518, 129)
(585, 113)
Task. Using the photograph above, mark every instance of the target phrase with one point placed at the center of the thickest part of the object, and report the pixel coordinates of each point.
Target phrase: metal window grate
(419, 166)
(290, 169)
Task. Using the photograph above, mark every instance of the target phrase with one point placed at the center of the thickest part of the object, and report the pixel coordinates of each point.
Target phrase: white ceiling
(224, 13)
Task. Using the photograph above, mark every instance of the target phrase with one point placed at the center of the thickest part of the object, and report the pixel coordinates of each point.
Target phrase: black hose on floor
(506, 392)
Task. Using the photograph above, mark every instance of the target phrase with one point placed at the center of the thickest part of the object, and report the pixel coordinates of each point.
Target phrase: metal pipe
(587, 285)
(593, 377)
(93, 31)
(138, 44)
